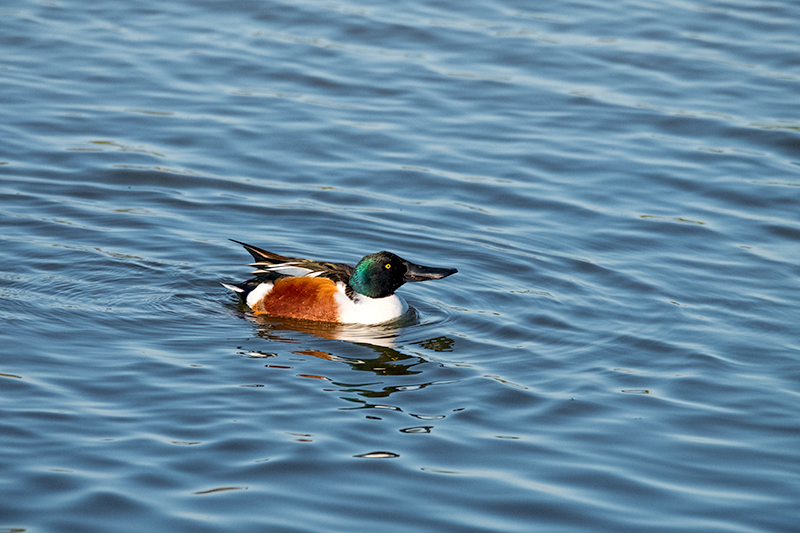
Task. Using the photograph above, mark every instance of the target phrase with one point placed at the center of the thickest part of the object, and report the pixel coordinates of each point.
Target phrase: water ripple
(615, 183)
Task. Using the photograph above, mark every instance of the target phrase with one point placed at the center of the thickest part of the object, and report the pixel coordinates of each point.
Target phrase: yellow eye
(387, 266)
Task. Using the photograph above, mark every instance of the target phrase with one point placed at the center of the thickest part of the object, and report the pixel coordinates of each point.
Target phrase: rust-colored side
(301, 297)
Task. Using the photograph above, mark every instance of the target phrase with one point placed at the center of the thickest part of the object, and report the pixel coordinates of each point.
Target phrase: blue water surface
(617, 184)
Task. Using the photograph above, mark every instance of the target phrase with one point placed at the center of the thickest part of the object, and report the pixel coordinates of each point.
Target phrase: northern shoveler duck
(331, 292)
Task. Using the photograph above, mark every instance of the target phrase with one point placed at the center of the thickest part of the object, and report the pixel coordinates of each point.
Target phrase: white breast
(365, 310)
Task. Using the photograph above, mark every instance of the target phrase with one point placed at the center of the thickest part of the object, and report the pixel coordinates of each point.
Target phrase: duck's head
(379, 275)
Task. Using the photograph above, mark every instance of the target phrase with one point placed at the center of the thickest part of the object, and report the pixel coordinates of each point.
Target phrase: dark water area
(617, 184)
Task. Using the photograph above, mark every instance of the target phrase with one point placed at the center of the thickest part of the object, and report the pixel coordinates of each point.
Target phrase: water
(616, 183)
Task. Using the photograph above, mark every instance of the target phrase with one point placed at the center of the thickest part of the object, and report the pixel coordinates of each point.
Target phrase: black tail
(263, 256)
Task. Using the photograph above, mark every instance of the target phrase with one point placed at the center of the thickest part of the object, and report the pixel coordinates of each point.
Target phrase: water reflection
(389, 361)
(389, 390)
(376, 335)
(380, 339)
(383, 358)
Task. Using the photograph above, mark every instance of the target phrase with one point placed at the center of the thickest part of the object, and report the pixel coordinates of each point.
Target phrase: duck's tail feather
(265, 257)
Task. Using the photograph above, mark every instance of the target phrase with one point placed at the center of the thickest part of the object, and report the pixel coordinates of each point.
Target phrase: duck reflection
(389, 362)
(380, 339)
(382, 359)
(379, 335)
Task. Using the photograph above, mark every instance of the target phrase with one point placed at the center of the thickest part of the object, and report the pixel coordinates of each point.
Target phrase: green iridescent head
(379, 275)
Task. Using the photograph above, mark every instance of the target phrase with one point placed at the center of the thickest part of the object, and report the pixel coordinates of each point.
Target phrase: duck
(324, 291)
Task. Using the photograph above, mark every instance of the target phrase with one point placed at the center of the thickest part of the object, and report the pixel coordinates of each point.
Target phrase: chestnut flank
(301, 297)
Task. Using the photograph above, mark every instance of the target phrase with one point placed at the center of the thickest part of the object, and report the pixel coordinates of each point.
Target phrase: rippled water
(617, 184)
